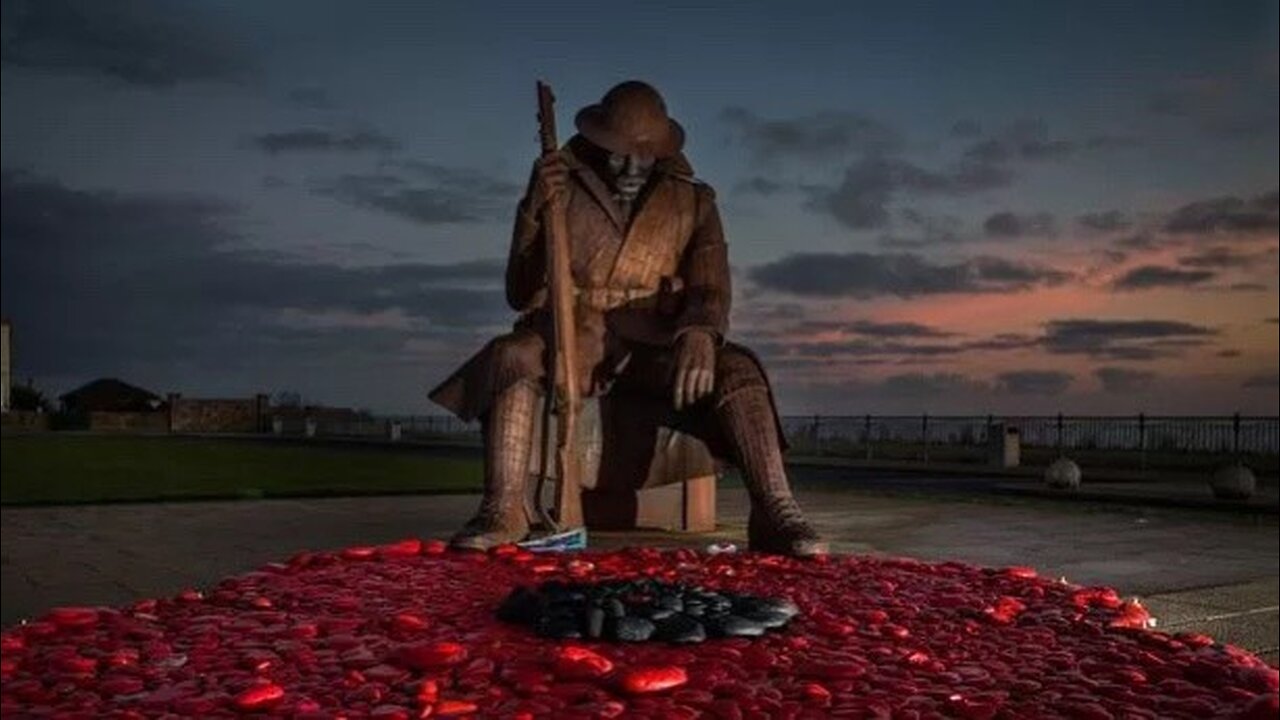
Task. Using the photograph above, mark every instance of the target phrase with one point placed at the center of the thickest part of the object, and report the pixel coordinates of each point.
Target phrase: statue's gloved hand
(550, 179)
(695, 367)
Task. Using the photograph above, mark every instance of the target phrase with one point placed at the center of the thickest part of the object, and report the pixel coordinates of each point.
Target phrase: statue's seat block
(638, 469)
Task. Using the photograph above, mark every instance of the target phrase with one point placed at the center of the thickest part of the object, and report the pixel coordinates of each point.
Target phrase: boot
(508, 434)
(777, 524)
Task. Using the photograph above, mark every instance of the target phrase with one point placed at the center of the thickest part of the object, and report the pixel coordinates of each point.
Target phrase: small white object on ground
(1234, 482)
(1063, 474)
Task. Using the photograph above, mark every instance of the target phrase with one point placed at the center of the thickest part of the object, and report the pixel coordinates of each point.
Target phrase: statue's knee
(518, 355)
(737, 371)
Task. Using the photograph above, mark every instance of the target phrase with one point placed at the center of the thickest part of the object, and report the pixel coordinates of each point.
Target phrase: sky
(953, 208)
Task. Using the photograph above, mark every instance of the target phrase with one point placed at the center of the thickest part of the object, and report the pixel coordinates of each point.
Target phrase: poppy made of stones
(642, 610)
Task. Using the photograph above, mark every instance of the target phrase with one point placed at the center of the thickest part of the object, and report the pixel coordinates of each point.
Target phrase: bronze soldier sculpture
(651, 275)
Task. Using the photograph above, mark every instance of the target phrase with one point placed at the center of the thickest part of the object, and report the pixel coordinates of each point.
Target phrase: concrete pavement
(1197, 570)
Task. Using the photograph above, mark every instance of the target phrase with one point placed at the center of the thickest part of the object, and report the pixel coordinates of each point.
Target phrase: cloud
(311, 97)
(1138, 241)
(1027, 139)
(163, 284)
(1189, 96)
(1123, 339)
(139, 42)
(966, 129)
(1228, 214)
(932, 384)
(819, 136)
(1235, 106)
(1121, 380)
(1221, 257)
(1105, 222)
(316, 140)
(1012, 225)
(434, 195)
(1262, 382)
(873, 328)
(1149, 277)
(759, 185)
(861, 199)
(924, 230)
(1034, 382)
(867, 275)
(1111, 142)
(462, 179)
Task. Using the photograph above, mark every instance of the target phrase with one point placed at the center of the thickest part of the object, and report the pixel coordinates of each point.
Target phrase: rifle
(563, 391)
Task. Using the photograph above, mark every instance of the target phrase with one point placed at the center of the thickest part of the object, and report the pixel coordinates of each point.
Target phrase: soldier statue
(651, 278)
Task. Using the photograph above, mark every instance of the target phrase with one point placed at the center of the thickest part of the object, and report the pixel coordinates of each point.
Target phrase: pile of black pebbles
(641, 610)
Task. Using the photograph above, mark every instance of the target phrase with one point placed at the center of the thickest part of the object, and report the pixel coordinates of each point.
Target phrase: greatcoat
(639, 284)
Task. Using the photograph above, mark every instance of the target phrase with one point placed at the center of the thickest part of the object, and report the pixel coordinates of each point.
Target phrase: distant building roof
(111, 395)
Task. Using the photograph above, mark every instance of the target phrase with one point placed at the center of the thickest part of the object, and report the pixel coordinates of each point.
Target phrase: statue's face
(629, 173)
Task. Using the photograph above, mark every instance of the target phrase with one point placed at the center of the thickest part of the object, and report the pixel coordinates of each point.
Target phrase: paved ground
(1205, 570)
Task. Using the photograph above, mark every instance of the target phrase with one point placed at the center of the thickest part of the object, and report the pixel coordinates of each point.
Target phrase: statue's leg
(508, 434)
(744, 409)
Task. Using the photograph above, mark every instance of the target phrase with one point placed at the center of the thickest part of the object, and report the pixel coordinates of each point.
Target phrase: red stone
(73, 617)
(578, 663)
(359, 552)
(643, 680)
(259, 696)
(403, 548)
(431, 656)
(453, 708)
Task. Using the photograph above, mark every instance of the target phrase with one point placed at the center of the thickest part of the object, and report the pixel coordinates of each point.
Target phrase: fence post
(924, 432)
(1142, 441)
(1059, 434)
(866, 430)
(1235, 435)
(817, 434)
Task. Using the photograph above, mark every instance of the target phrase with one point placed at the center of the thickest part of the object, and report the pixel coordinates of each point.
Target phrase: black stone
(633, 629)
(738, 626)
(746, 604)
(595, 623)
(615, 608)
(642, 609)
(680, 628)
(559, 627)
(523, 606)
(770, 619)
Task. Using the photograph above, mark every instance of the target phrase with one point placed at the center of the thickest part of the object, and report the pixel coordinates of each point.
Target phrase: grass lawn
(58, 468)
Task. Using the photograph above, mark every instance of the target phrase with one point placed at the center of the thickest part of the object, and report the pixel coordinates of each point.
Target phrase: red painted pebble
(403, 548)
(73, 617)
(259, 696)
(579, 663)
(407, 629)
(454, 708)
(642, 680)
(430, 656)
(360, 552)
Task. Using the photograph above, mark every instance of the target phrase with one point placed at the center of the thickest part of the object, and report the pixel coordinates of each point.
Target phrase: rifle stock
(563, 390)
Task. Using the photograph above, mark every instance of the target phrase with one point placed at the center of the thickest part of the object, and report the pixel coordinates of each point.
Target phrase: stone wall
(129, 422)
(218, 415)
(25, 421)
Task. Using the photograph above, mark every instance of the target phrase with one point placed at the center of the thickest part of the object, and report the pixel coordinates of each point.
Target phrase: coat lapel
(600, 193)
(651, 237)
